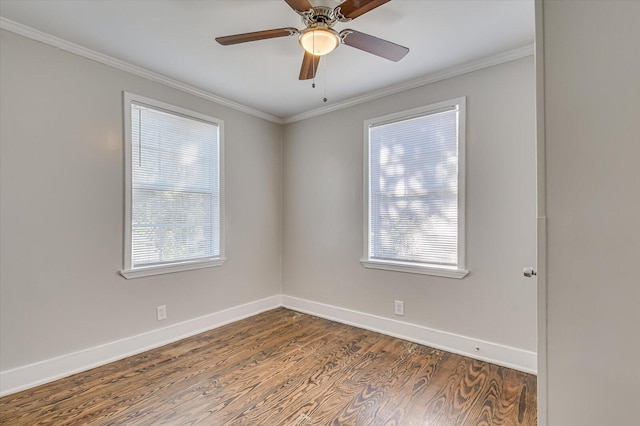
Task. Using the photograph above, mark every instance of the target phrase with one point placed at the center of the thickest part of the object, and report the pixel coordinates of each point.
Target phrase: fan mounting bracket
(337, 13)
(343, 34)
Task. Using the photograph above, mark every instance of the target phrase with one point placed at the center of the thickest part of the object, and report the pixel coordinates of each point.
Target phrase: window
(173, 192)
(414, 191)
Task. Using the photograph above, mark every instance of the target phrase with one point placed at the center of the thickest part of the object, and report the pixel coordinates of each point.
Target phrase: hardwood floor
(283, 368)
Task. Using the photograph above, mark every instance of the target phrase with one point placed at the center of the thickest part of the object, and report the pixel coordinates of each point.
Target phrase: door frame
(541, 215)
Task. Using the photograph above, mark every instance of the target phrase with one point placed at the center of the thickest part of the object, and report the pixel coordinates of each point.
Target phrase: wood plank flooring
(283, 368)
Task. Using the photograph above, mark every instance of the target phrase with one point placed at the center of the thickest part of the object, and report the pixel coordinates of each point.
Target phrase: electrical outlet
(161, 312)
(399, 307)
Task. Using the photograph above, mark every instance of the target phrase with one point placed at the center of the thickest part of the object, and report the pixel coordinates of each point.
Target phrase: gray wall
(592, 101)
(61, 211)
(323, 193)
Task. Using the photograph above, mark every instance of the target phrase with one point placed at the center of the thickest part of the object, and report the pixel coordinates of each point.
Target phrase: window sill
(171, 268)
(413, 268)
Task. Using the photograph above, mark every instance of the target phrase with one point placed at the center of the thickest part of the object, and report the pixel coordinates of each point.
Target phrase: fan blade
(299, 5)
(377, 46)
(354, 8)
(309, 66)
(257, 35)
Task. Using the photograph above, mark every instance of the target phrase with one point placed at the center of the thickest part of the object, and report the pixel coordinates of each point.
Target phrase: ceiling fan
(319, 38)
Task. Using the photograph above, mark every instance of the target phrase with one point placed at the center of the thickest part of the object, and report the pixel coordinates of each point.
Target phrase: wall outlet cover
(161, 312)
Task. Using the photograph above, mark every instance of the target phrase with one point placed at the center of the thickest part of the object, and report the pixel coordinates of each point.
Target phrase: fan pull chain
(313, 64)
(313, 59)
(325, 79)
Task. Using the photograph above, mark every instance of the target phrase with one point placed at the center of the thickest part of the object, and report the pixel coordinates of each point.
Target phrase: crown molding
(511, 55)
(490, 61)
(32, 33)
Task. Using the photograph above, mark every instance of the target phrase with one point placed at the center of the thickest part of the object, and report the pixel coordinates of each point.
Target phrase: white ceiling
(175, 38)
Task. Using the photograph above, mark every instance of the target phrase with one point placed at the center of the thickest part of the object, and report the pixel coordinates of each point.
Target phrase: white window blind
(175, 188)
(413, 188)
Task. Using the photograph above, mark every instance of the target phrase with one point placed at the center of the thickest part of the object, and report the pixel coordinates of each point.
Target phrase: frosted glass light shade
(319, 41)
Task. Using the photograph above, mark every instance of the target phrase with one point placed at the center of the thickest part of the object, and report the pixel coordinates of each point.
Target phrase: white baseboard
(46, 371)
(31, 375)
(506, 356)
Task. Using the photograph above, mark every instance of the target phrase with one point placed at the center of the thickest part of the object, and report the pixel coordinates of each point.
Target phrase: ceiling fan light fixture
(319, 40)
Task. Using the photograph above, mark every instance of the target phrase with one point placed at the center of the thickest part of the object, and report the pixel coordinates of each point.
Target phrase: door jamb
(541, 216)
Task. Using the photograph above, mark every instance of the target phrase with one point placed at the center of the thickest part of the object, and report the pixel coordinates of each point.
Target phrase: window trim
(129, 271)
(458, 271)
